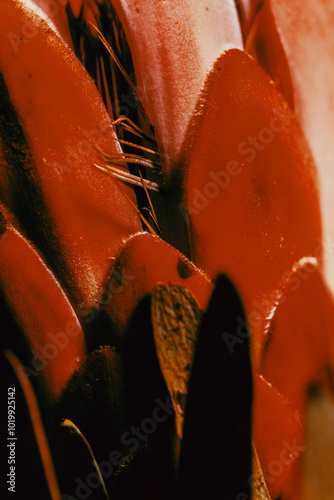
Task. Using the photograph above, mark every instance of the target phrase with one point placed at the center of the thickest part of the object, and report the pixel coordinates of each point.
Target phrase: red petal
(42, 312)
(76, 214)
(173, 45)
(144, 261)
(294, 41)
(299, 347)
(250, 187)
(276, 431)
(56, 12)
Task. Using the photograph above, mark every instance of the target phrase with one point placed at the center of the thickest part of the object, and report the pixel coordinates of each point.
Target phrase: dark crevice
(91, 51)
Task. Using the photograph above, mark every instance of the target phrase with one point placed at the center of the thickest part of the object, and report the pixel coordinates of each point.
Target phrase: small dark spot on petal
(184, 268)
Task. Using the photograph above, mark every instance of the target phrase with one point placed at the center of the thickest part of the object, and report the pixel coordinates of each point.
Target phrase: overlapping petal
(293, 42)
(174, 45)
(238, 172)
(74, 214)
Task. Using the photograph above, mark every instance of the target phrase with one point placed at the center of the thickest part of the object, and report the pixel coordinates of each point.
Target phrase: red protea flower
(162, 260)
